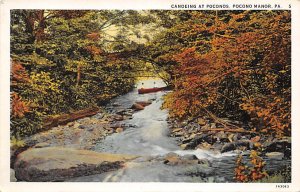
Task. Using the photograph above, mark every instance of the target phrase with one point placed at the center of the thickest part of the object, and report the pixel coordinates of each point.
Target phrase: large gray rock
(188, 159)
(198, 139)
(12, 176)
(58, 164)
(234, 145)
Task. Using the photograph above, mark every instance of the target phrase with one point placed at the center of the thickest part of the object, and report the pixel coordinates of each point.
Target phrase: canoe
(150, 90)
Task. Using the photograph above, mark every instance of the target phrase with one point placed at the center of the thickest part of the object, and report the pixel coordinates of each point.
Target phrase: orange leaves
(94, 50)
(188, 56)
(18, 107)
(244, 173)
(18, 73)
(238, 16)
(271, 115)
(257, 171)
(237, 64)
(240, 170)
(93, 36)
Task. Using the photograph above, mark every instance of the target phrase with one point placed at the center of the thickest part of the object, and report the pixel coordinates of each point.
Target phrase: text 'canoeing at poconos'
(231, 6)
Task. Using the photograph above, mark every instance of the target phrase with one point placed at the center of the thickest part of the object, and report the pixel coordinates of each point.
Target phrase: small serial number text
(282, 186)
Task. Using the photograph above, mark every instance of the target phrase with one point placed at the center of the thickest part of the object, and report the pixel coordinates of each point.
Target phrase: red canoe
(150, 90)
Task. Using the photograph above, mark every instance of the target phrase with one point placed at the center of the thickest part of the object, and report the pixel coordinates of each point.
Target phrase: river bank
(135, 125)
(205, 133)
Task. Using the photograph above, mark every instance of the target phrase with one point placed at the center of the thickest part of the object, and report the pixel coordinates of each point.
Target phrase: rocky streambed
(204, 133)
(133, 140)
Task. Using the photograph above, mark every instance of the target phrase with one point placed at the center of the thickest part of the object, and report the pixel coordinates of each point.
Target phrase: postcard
(149, 95)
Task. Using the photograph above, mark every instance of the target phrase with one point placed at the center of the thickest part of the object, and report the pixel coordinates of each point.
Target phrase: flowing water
(146, 135)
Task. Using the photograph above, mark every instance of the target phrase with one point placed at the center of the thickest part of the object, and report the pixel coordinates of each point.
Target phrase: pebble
(275, 155)
(119, 130)
(201, 121)
(176, 130)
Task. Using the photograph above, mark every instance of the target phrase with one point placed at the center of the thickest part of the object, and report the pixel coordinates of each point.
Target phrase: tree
(235, 64)
(69, 61)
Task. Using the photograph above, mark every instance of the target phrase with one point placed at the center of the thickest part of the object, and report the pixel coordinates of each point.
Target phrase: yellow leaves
(16, 143)
(282, 71)
(42, 82)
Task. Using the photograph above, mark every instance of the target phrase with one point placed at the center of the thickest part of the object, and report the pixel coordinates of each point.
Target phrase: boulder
(71, 124)
(175, 159)
(99, 116)
(119, 130)
(186, 140)
(197, 140)
(234, 145)
(118, 118)
(12, 176)
(283, 146)
(275, 155)
(277, 145)
(58, 164)
(178, 134)
(76, 124)
(172, 159)
(176, 130)
(183, 146)
(228, 147)
(189, 157)
(116, 104)
(222, 136)
(206, 126)
(201, 121)
(144, 103)
(14, 152)
(213, 126)
(236, 137)
(82, 126)
(205, 162)
(204, 145)
(137, 107)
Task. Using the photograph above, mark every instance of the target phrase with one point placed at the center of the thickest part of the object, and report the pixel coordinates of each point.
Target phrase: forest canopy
(233, 64)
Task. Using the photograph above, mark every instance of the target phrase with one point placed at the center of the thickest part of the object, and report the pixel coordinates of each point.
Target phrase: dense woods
(226, 66)
(233, 64)
(64, 61)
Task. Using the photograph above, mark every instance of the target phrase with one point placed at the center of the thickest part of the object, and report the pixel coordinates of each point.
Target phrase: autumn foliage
(19, 107)
(58, 65)
(18, 73)
(236, 65)
(244, 173)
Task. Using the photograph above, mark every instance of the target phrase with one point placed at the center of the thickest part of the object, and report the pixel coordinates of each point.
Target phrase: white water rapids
(147, 135)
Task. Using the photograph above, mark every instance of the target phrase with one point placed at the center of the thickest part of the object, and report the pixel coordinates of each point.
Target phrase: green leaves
(62, 62)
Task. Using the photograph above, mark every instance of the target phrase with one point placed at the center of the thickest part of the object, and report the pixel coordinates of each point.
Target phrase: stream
(147, 135)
